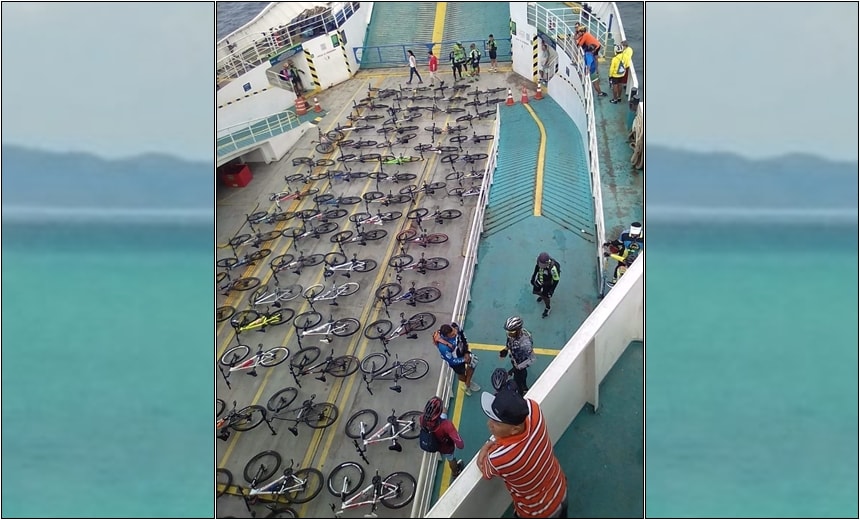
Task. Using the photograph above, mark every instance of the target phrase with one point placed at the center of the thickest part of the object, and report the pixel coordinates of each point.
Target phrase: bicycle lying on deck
(394, 491)
(363, 422)
(296, 486)
(373, 368)
(235, 359)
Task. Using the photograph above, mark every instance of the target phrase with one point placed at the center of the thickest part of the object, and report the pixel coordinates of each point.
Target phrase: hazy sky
(759, 79)
(115, 79)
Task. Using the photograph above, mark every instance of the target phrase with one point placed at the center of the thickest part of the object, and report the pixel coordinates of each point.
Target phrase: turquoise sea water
(106, 389)
(751, 371)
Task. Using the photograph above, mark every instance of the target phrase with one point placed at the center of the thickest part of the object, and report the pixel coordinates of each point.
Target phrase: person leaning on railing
(454, 349)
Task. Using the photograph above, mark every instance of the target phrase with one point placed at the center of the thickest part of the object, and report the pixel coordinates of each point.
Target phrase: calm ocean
(751, 370)
(107, 379)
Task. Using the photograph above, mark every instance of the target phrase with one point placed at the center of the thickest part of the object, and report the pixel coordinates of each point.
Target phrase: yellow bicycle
(244, 321)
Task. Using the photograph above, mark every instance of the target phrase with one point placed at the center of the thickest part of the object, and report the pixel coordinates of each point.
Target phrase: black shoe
(539, 300)
(545, 313)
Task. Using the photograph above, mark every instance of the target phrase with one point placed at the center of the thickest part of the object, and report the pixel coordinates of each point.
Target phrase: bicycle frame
(350, 266)
(326, 329)
(381, 490)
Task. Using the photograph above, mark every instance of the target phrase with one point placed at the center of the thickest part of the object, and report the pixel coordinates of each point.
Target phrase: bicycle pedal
(294, 431)
(396, 388)
(412, 336)
(334, 303)
(398, 448)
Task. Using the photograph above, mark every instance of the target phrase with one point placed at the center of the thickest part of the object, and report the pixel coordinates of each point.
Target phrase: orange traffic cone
(318, 108)
(510, 100)
(301, 106)
(525, 97)
(539, 93)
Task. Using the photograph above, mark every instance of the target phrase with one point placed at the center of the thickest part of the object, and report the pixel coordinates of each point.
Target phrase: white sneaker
(474, 387)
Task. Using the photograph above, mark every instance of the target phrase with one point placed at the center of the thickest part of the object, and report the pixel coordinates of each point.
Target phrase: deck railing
(240, 55)
(243, 135)
(427, 472)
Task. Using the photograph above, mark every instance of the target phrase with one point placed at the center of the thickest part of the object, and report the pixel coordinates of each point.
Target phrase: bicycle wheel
(258, 294)
(281, 261)
(370, 196)
(415, 368)
(388, 291)
(427, 294)
(339, 238)
(282, 512)
(298, 161)
(338, 212)
(224, 313)
(223, 477)
(449, 214)
(421, 321)
(366, 417)
(296, 177)
(262, 466)
(437, 238)
(400, 261)
(350, 200)
(324, 148)
(335, 135)
(373, 362)
(309, 319)
(243, 318)
(450, 158)
(375, 234)
(312, 260)
(476, 157)
(248, 418)
(227, 263)
(325, 228)
(436, 186)
(238, 240)
(369, 157)
(458, 139)
(345, 479)
(390, 216)
(347, 158)
(274, 356)
(319, 199)
(324, 162)
(404, 490)
(220, 276)
(406, 235)
(364, 266)
(404, 177)
(415, 430)
(436, 264)
(355, 218)
(312, 484)
(265, 237)
(282, 399)
(290, 292)
(343, 366)
(244, 284)
(347, 289)
(378, 329)
(334, 258)
(321, 415)
(409, 190)
(220, 405)
(345, 327)
(305, 357)
(234, 355)
(417, 213)
(280, 316)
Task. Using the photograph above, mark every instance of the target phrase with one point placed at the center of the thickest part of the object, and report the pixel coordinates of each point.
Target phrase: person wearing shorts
(491, 50)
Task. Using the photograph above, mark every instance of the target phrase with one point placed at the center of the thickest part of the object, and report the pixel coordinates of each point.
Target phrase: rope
(637, 143)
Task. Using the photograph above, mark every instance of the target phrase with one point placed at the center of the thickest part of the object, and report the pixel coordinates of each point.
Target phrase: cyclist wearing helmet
(545, 279)
(436, 421)
(617, 69)
(626, 249)
(519, 346)
(456, 354)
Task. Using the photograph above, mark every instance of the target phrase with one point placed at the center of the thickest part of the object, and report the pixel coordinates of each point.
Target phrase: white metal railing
(427, 471)
(240, 54)
(242, 135)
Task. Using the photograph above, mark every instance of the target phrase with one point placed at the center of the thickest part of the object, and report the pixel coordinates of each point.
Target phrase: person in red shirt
(433, 64)
(520, 452)
(435, 420)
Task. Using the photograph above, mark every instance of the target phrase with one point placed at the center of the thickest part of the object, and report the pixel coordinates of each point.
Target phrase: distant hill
(36, 179)
(795, 182)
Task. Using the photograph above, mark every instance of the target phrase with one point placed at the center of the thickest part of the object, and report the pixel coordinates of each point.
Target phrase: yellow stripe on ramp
(541, 161)
(439, 26)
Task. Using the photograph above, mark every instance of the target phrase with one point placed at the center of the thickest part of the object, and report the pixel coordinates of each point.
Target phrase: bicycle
(288, 261)
(244, 321)
(297, 487)
(426, 188)
(396, 178)
(364, 421)
(254, 240)
(279, 197)
(331, 200)
(335, 262)
(345, 237)
(243, 420)
(386, 200)
(318, 293)
(373, 368)
(306, 215)
(298, 233)
(301, 364)
(474, 175)
(315, 415)
(234, 359)
(391, 293)
(439, 216)
(232, 262)
(262, 296)
(404, 262)
(308, 324)
(422, 239)
(394, 491)
(384, 330)
(326, 142)
(363, 218)
(474, 191)
(390, 159)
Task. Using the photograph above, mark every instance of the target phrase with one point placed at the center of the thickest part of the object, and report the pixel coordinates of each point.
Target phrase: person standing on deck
(591, 67)
(298, 87)
(626, 249)
(583, 38)
(436, 421)
(413, 68)
(626, 59)
(519, 345)
(432, 65)
(492, 48)
(458, 59)
(475, 61)
(545, 279)
(616, 74)
(520, 453)
(454, 349)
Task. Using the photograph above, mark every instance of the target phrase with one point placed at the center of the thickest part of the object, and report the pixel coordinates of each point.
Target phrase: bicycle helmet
(635, 228)
(513, 323)
(543, 259)
(433, 410)
(619, 49)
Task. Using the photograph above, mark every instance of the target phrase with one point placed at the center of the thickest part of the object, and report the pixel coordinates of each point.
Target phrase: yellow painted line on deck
(458, 414)
(497, 348)
(541, 161)
(439, 26)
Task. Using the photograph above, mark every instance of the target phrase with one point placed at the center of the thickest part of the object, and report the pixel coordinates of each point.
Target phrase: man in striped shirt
(520, 452)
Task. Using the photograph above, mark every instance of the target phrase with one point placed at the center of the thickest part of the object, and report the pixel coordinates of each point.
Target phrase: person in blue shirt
(591, 66)
(455, 351)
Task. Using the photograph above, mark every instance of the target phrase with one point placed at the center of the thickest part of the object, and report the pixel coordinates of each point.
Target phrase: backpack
(428, 441)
